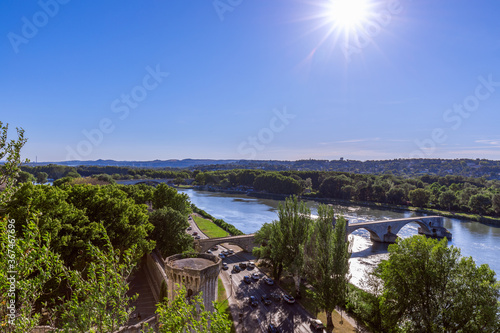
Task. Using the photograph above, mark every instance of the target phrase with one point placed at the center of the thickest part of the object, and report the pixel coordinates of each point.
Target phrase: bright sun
(348, 15)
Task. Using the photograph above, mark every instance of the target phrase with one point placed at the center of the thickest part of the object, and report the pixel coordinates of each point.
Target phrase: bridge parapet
(246, 242)
(386, 231)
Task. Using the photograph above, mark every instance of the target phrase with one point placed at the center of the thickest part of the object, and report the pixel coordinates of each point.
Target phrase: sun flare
(348, 14)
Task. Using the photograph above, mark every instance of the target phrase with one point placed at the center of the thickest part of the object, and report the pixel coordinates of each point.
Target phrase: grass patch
(209, 228)
(222, 304)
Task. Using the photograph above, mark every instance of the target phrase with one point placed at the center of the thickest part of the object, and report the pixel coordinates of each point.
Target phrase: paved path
(145, 303)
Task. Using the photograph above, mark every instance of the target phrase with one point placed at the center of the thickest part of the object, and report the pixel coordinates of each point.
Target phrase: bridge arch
(421, 224)
(373, 234)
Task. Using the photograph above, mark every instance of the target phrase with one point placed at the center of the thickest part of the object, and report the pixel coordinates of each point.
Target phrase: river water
(480, 241)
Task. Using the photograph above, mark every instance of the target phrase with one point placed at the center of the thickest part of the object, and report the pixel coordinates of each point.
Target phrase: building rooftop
(192, 263)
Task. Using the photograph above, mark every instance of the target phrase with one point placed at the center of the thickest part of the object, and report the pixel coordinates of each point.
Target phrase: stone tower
(196, 274)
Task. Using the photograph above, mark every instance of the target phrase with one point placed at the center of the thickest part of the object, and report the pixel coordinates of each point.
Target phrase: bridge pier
(435, 232)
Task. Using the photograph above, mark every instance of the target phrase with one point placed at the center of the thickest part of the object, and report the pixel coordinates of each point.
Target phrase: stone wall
(155, 273)
(195, 280)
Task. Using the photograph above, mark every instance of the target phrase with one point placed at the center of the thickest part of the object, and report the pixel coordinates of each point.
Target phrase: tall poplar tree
(327, 254)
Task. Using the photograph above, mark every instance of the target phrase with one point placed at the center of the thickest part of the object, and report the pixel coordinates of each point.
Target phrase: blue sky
(240, 79)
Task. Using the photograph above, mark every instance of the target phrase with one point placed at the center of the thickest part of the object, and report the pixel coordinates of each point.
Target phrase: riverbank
(488, 220)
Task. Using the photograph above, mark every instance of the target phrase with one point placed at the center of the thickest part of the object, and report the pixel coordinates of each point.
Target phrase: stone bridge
(386, 231)
(246, 242)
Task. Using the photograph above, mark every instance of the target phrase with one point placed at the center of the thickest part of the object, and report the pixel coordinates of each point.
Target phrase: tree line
(56, 171)
(451, 193)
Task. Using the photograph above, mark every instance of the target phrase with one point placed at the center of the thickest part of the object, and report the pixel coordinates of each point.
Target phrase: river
(480, 241)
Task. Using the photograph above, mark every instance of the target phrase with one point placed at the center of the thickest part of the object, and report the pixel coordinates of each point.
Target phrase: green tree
(166, 196)
(326, 259)
(74, 174)
(99, 301)
(428, 287)
(200, 178)
(189, 315)
(42, 177)
(67, 226)
(24, 177)
(331, 187)
(419, 197)
(447, 199)
(479, 203)
(125, 222)
(62, 181)
(10, 151)
(496, 203)
(379, 193)
(27, 264)
(396, 195)
(178, 180)
(274, 182)
(169, 231)
(102, 177)
(286, 238)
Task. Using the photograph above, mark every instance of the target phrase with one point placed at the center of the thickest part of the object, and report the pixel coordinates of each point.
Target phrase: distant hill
(180, 164)
(489, 169)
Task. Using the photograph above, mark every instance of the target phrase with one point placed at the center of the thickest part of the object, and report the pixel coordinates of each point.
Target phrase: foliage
(447, 199)
(30, 269)
(11, 152)
(72, 217)
(41, 177)
(24, 177)
(273, 182)
(183, 315)
(169, 231)
(326, 259)
(419, 197)
(104, 178)
(166, 196)
(428, 287)
(27, 265)
(479, 203)
(99, 301)
(55, 171)
(425, 191)
(283, 240)
(125, 222)
(140, 193)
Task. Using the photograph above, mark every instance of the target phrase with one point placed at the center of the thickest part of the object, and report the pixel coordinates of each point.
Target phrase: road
(288, 317)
